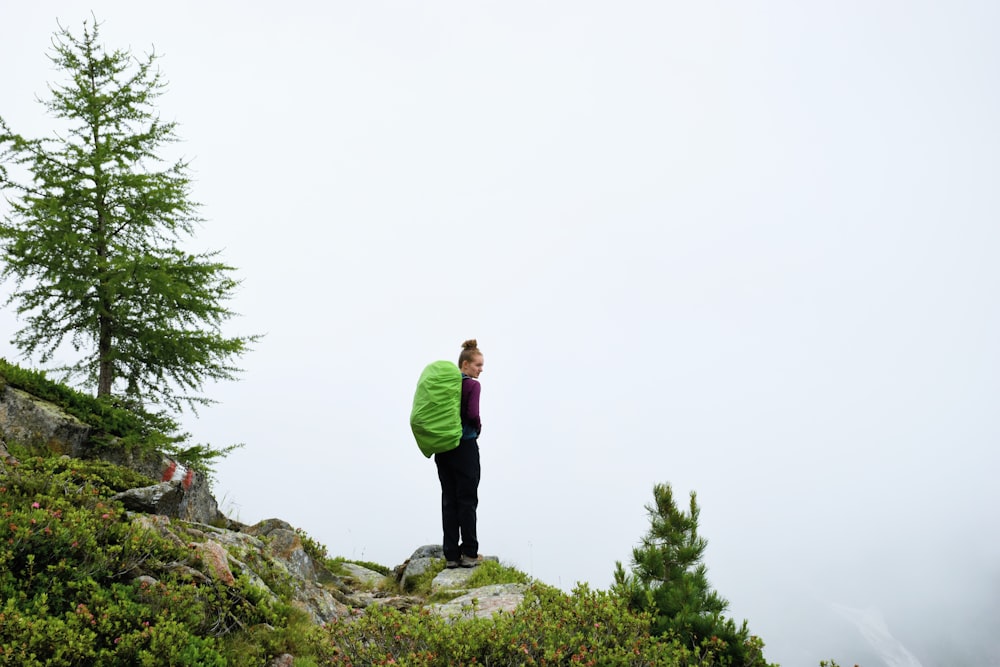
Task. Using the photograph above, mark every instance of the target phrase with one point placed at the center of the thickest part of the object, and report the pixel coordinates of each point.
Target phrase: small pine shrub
(669, 581)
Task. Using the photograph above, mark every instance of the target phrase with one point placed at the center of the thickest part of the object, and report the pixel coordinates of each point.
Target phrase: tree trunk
(105, 376)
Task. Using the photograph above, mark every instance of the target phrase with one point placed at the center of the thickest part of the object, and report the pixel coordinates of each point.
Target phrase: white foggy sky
(745, 248)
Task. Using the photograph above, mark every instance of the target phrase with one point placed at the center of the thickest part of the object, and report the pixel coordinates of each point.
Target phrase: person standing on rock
(458, 469)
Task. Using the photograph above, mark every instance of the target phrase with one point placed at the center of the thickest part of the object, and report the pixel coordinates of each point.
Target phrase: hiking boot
(452, 564)
(471, 561)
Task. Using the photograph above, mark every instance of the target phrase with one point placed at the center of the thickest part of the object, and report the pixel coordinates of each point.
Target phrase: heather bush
(550, 628)
(70, 560)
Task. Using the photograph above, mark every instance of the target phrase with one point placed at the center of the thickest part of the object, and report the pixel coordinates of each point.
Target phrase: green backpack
(436, 419)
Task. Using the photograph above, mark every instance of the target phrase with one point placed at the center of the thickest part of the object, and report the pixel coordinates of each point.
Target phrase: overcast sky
(746, 248)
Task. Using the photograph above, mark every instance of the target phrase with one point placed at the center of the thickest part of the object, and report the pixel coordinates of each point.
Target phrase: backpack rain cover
(436, 419)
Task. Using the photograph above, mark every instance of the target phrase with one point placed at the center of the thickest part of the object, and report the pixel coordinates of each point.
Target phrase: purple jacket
(471, 424)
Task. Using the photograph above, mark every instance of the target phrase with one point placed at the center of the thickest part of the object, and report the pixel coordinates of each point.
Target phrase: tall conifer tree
(91, 239)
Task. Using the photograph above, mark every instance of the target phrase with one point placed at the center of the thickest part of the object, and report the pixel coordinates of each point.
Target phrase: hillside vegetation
(85, 582)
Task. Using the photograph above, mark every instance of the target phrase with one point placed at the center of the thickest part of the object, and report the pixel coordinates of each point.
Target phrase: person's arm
(472, 405)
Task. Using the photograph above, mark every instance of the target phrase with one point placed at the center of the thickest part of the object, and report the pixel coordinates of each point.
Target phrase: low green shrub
(314, 549)
(491, 572)
(550, 628)
(70, 560)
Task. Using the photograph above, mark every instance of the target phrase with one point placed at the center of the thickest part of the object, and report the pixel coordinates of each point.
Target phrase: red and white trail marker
(175, 472)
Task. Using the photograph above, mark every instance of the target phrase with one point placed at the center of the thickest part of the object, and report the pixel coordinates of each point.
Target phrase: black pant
(458, 470)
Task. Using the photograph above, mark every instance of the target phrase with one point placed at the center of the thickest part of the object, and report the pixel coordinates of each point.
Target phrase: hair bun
(470, 344)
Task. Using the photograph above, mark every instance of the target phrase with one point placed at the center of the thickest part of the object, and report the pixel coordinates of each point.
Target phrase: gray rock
(428, 551)
(362, 575)
(236, 540)
(419, 562)
(482, 602)
(264, 528)
(319, 603)
(197, 502)
(283, 660)
(414, 568)
(400, 602)
(215, 559)
(36, 423)
(286, 546)
(163, 498)
(454, 578)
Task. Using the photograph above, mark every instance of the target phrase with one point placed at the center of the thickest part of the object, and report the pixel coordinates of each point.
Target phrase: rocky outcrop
(481, 602)
(419, 562)
(285, 544)
(422, 560)
(180, 507)
(223, 554)
(41, 425)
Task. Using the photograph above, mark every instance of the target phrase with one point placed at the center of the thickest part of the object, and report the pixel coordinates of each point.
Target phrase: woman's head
(470, 361)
